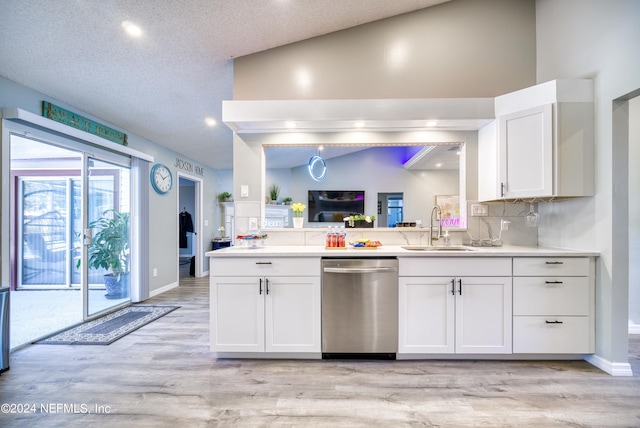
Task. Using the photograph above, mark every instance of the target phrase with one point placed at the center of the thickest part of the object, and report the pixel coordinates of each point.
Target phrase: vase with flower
(298, 210)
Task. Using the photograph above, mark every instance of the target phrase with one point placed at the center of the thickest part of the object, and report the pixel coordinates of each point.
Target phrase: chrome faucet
(438, 212)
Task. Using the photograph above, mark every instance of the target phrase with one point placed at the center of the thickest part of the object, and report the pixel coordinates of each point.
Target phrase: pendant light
(317, 167)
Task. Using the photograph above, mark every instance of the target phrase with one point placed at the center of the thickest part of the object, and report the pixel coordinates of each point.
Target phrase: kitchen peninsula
(453, 302)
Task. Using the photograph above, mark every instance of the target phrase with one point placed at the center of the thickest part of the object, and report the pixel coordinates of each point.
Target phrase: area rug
(109, 328)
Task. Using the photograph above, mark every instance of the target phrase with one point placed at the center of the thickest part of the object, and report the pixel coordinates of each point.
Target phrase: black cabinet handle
(553, 282)
(502, 190)
(554, 263)
(553, 322)
(460, 289)
(453, 287)
(267, 282)
(260, 285)
(263, 263)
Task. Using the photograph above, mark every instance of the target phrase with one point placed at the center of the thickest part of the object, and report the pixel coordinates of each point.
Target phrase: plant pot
(297, 222)
(116, 289)
(358, 223)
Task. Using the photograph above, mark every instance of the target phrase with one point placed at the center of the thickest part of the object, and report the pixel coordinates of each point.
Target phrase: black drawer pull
(553, 282)
(553, 322)
(554, 263)
(263, 263)
(453, 287)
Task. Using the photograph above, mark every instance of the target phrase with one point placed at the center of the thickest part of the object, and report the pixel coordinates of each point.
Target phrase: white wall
(163, 237)
(595, 39)
(634, 215)
(462, 48)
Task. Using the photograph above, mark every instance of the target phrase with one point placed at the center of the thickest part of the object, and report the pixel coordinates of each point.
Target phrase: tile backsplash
(479, 229)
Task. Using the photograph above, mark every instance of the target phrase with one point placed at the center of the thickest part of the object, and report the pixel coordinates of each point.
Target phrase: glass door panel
(46, 219)
(108, 208)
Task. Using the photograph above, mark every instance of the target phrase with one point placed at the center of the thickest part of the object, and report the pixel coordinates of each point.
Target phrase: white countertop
(395, 251)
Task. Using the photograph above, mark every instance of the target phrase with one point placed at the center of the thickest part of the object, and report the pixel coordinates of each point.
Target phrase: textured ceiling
(162, 85)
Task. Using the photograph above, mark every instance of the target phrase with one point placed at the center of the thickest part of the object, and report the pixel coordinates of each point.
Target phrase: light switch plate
(479, 210)
(244, 191)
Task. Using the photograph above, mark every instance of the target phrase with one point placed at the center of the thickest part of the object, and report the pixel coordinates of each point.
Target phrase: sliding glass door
(60, 197)
(108, 237)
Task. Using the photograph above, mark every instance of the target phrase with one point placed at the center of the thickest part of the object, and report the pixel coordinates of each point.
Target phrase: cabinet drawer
(454, 266)
(551, 266)
(536, 295)
(267, 266)
(551, 335)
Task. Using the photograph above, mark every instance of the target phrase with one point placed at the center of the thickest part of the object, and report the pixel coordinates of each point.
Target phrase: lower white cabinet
(463, 315)
(553, 305)
(265, 314)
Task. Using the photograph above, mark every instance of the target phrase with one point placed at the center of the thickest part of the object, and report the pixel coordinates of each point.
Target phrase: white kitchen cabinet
(455, 314)
(553, 305)
(265, 310)
(542, 144)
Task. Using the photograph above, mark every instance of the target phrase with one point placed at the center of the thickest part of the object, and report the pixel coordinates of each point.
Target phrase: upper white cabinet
(541, 144)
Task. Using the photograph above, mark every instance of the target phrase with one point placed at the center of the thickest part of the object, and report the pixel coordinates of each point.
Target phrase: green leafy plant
(109, 248)
(359, 217)
(224, 196)
(287, 200)
(274, 191)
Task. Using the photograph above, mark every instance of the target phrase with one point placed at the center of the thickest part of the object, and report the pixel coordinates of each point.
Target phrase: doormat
(109, 328)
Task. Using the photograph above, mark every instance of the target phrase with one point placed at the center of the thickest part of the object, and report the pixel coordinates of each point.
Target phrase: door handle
(453, 287)
(87, 236)
(260, 286)
(460, 289)
(267, 284)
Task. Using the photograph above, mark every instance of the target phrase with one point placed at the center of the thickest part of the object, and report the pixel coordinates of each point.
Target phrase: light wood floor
(163, 375)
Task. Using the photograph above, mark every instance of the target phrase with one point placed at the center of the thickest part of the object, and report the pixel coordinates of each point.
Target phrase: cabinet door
(237, 314)
(293, 318)
(526, 157)
(426, 315)
(483, 315)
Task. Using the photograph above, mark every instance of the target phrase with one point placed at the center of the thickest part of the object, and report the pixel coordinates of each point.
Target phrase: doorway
(58, 195)
(189, 236)
(390, 209)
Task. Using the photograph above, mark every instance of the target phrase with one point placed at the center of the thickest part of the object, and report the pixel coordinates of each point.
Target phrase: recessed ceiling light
(291, 125)
(210, 121)
(438, 165)
(359, 124)
(131, 28)
(432, 123)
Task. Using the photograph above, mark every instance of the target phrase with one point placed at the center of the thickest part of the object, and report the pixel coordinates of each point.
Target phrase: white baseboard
(614, 369)
(164, 289)
(634, 328)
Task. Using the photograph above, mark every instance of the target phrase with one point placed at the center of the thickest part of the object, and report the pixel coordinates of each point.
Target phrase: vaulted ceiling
(163, 84)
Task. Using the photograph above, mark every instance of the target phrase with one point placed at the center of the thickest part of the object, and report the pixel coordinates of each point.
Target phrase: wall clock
(161, 178)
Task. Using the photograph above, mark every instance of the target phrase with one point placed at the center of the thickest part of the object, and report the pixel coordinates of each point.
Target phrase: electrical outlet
(155, 272)
(504, 224)
(479, 210)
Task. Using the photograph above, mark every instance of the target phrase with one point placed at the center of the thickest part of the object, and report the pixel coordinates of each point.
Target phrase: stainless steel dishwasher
(360, 308)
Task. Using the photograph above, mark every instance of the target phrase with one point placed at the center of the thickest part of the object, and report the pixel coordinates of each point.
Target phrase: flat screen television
(332, 206)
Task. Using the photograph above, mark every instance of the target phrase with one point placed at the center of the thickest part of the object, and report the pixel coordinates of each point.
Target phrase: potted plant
(287, 200)
(359, 220)
(298, 210)
(109, 249)
(274, 191)
(224, 197)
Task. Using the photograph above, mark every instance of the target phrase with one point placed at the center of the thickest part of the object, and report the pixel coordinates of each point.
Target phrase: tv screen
(334, 205)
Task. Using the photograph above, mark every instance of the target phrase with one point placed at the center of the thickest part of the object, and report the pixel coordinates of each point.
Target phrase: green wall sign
(53, 112)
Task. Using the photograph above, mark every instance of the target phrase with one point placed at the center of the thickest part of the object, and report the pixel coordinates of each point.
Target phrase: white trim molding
(614, 369)
(634, 328)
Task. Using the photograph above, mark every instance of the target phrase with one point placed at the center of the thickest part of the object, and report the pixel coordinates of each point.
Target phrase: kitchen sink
(438, 248)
